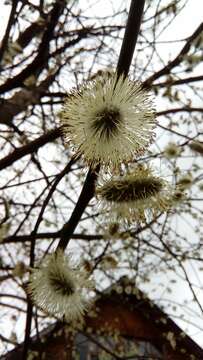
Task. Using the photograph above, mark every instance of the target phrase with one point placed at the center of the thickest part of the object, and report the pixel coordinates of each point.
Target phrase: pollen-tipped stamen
(60, 284)
(135, 196)
(131, 190)
(60, 288)
(109, 120)
(106, 122)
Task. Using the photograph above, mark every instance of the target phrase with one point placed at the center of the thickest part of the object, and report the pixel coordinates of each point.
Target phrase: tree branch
(178, 82)
(130, 37)
(42, 55)
(29, 148)
(129, 42)
(167, 69)
(10, 23)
